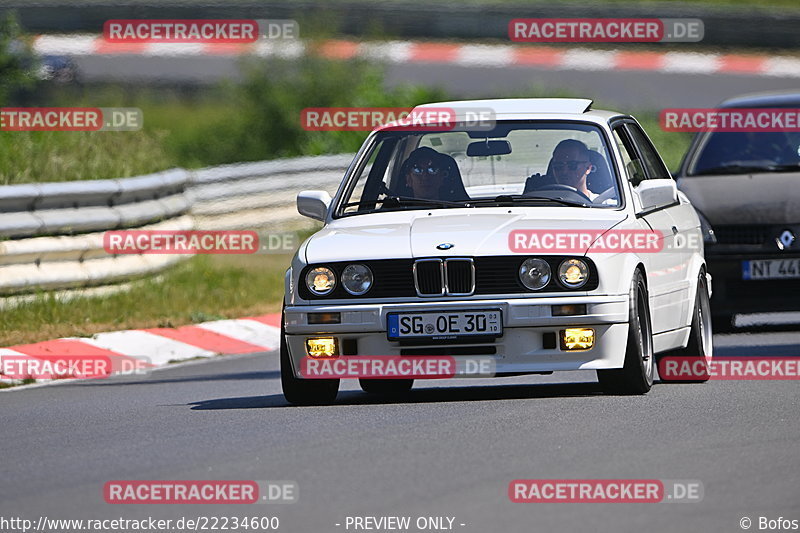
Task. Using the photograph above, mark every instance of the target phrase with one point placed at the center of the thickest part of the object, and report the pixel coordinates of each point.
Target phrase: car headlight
(320, 281)
(573, 273)
(706, 230)
(356, 279)
(534, 273)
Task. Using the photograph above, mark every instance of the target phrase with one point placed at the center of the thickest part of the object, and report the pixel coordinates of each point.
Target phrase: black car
(61, 69)
(45, 67)
(746, 188)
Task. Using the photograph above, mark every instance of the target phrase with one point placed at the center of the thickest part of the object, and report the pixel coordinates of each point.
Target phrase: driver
(430, 175)
(424, 174)
(571, 166)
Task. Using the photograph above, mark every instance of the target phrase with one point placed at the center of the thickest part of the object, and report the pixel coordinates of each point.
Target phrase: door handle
(674, 230)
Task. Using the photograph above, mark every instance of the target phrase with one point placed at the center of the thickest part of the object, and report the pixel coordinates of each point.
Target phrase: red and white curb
(158, 346)
(480, 55)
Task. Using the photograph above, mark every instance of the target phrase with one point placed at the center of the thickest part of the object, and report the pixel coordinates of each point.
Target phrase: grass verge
(41, 156)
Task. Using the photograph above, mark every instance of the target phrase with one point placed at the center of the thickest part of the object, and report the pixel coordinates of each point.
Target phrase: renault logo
(448, 245)
(785, 240)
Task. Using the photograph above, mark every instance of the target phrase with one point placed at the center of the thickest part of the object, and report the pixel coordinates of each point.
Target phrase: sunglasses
(430, 170)
(572, 165)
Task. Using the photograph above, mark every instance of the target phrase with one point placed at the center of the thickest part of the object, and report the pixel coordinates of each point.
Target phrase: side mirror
(657, 193)
(313, 204)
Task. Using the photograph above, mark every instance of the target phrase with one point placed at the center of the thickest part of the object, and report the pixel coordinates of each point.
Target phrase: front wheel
(304, 391)
(637, 374)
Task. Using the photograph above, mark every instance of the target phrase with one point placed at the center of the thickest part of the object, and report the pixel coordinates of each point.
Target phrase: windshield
(526, 163)
(746, 152)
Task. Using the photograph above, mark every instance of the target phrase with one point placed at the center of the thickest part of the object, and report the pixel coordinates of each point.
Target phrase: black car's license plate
(444, 325)
(771, 269)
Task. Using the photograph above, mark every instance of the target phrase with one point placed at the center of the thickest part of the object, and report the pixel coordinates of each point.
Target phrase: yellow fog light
(577, 339)
(322, 347)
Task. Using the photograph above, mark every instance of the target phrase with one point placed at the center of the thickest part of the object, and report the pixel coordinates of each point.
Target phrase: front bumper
(732, 294)
(527, 323)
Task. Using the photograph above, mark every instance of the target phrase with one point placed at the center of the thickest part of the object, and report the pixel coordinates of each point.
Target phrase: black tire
(386, 387)
(304, 391)
(701, 344)
(722, 323)
(638, 372)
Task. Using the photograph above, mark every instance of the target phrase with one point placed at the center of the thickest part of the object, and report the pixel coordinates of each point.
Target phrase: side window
(652, 162)
(630, 159)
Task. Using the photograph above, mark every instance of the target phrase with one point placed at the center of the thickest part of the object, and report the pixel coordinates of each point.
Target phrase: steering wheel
(565, 188)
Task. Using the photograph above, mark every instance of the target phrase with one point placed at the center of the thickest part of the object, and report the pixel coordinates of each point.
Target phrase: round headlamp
(320, 281)
(573, 273)
(356, 279)
(534, 273)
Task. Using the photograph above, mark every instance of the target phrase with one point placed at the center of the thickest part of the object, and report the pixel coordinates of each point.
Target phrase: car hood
(472, 232)
(762, 198)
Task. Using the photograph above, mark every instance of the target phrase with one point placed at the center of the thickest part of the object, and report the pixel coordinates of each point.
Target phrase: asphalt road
(451, 450)
(627, 90)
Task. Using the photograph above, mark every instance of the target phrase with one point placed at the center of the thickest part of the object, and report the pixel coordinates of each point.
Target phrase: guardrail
(262, 194)
(52, 233)
(81, 206)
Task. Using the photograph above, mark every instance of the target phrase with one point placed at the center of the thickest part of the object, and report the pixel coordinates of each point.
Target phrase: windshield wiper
(510, 199)
(786, 167)
(407, 200)
(503, 199)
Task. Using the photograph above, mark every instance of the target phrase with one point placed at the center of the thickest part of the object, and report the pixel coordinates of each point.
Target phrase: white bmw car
(551, 238)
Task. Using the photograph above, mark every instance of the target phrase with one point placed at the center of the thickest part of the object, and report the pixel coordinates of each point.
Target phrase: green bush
(16, 59)
(260, 119)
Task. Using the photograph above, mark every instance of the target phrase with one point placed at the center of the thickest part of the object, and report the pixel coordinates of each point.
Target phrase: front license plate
(771, 269)
(441, 325)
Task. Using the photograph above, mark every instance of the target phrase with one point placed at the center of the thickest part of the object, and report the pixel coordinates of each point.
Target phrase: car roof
(521, 108)
(521, 105)
(768, 99)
